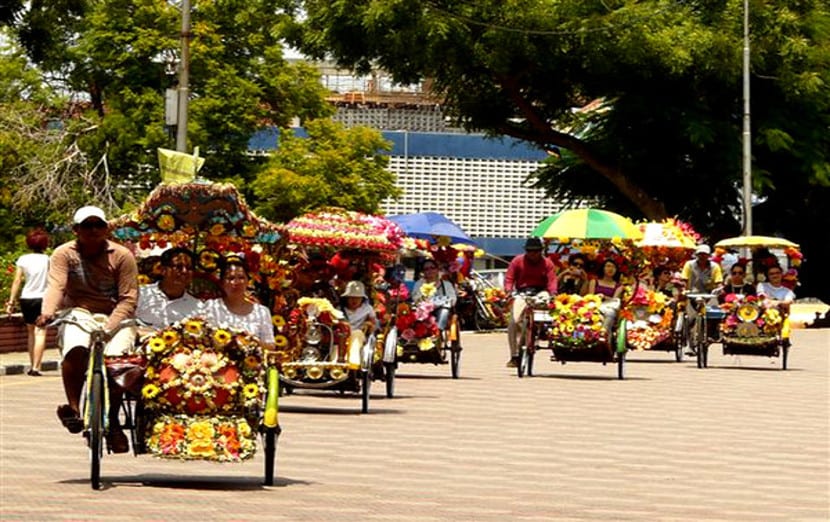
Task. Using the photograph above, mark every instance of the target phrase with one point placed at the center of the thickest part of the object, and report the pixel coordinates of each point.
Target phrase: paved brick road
(738, 441)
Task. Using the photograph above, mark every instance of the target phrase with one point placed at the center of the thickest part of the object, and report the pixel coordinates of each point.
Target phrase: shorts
(71, 336)
(30, 309)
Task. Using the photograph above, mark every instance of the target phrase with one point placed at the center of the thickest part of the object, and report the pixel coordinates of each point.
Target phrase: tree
(43, 174)
(333, 166)
(119, 56)
(667, 76)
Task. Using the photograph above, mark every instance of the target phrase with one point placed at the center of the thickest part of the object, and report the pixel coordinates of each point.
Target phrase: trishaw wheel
(455, 360)
(531, 355)
(785, 350)
(365, 383)
(270, 454)
(521, 365)
(389, 369)
(96, 429)
(621, 365)
(678, 349)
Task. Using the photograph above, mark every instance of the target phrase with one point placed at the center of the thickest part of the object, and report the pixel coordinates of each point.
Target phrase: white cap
(703, 249)
(354, 289)
(84, 213)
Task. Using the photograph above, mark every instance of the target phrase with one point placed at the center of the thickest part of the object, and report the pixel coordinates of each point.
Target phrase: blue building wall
(431, 144)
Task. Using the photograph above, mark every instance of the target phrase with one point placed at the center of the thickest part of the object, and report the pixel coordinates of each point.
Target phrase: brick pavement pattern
(740, 440)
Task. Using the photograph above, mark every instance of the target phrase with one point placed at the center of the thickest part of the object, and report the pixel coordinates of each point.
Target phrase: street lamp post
(747, 137)
(184, 80)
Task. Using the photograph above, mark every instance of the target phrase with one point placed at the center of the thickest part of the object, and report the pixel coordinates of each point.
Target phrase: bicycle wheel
(526, 343)
(271, 435)
(698, 340)
(96, 428)
(785, 349)
(455, 360)
(365, 383)
(389, 370)
(620, 365)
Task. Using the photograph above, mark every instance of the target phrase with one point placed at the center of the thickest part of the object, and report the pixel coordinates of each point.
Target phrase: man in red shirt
(529, 273)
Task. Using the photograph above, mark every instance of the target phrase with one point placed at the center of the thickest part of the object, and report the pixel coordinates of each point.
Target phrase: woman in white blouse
(236, 309)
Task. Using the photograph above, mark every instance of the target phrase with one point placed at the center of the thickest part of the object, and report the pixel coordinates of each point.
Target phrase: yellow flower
(251, 361)
(193, 327)
(426, 344)
(156, 344)
(243, 428)
(248, 230)
(250, 391)
(166, 222)
(207, 259)
(149, 391)
(201, 448)
(150, 373)
(200, 430)
(278, 321)
(170, 336)
(280, 341)
(221, 337)
(748, 312)
(428, 290)
(216, 229)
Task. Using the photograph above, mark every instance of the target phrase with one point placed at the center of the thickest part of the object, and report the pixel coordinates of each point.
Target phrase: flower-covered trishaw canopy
(328, 249)
(208, 390)
(583, 326)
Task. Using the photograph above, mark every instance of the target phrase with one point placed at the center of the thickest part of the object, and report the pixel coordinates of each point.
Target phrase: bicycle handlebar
(91, 326)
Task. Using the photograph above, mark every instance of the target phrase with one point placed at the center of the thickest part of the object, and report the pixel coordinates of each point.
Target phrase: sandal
(70, 419)
(34, 373)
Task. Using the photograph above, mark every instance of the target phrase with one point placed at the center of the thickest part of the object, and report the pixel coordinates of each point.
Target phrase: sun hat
(354, 289)
(84, 213)
(703, 249)
(533, 243)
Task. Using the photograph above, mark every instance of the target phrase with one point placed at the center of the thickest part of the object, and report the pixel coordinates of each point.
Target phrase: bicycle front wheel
(95, 430)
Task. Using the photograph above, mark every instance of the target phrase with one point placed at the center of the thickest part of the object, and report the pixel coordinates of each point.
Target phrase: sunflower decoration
(195, 368)
(209, 259)
(166, 223)
(748, 312)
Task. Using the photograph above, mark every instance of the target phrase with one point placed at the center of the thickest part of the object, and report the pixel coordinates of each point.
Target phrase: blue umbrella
(430, 225)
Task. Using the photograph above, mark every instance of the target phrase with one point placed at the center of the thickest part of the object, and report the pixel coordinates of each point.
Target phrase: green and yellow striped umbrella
(587, 223)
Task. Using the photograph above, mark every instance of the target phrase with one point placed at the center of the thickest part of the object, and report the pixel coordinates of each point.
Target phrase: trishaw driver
(529, 273)
(91, 275)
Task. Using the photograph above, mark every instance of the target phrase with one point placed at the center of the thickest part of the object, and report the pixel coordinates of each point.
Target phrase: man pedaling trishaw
(203, 395)
(529, 274)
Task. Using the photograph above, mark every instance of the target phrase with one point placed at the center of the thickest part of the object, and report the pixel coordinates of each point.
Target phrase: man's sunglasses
(578, 265)
(738, 272)
(89, 225)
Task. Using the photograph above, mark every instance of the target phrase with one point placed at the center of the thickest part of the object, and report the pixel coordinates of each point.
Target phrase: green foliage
(668, 141)
(123, 54)
(333, 166)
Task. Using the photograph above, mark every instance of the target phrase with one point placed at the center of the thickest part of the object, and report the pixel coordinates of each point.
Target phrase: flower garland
(222, 439)
(415, 322)
(195, 368)
(649, 319)
(749, 316)
(577, 321)
(344, 229)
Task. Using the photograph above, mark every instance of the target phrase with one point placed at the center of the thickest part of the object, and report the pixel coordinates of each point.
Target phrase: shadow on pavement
(217, 483)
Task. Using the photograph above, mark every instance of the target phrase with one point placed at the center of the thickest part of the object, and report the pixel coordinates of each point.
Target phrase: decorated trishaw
(420, 340)
(579, 328)
(317, 348)
(755, 325)
(195, 390)
(654, 316)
